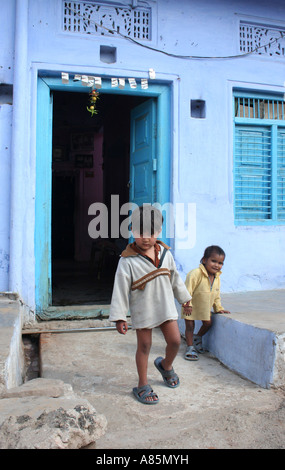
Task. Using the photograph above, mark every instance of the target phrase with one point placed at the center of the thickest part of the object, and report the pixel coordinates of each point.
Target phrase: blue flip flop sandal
(169, 376)
(144, 392)
(191, 354)
(197, 342)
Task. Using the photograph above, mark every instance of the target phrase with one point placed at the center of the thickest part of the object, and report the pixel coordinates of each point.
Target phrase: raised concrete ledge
(250, 340)
(246, 349)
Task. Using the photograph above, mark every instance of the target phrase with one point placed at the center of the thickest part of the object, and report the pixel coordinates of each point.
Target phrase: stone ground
(213, 408)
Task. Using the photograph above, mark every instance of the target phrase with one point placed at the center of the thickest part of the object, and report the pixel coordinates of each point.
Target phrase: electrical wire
(178, 56)
(201, 57)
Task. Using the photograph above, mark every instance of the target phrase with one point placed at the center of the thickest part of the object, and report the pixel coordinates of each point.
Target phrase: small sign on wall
(82, 141)
(84, 161)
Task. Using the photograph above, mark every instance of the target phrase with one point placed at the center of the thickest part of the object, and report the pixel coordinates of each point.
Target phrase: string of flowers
(93, 97)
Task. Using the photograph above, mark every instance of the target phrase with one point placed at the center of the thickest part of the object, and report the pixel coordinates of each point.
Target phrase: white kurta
(153, 305)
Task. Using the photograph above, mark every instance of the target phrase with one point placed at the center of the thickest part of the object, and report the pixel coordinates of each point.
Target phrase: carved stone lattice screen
(100, 19)
(254, 36)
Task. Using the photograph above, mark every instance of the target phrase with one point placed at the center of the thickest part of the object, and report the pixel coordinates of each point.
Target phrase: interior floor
(74, 284)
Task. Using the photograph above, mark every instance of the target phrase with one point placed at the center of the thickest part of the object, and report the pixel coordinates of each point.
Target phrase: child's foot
(146, 395)
(191, 354)
(197, 342)
(170, 378)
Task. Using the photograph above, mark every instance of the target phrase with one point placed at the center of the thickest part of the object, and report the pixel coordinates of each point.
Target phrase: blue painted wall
(6, 114)
(202, 148)
(5, 132)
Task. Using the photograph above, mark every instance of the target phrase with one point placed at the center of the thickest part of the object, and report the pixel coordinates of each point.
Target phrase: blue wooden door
(143, 153)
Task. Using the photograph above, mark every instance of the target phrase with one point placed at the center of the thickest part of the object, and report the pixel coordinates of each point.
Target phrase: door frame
(162, 91)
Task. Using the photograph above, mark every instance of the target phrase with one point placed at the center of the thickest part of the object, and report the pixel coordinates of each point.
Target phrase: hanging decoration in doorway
(89, 81)
(93, 97)
(96, 83)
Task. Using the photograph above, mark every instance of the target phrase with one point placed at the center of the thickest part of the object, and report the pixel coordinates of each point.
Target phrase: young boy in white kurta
(146, 283)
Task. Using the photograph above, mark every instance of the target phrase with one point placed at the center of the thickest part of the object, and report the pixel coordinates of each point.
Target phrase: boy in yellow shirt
(203, 284)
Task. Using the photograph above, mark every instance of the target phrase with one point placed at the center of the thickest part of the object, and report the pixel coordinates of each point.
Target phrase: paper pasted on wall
(96, 82)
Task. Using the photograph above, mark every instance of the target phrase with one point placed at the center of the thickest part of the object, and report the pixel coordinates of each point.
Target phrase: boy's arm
(192, 280)
(120, 297)
(122, 326)
(179, 289)
(187, 308)
(217, 302)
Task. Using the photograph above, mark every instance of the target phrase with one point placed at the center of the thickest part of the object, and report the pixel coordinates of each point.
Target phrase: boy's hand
(122, 326)
(223, 311)
(187, 308)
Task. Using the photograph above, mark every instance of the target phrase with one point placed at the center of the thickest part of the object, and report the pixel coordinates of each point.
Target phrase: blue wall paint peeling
(4, 261)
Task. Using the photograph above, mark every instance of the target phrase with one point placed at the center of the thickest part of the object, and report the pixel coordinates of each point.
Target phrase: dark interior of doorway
(90, 163)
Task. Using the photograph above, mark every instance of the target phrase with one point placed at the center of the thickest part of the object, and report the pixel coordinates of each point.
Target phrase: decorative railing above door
(106, 19)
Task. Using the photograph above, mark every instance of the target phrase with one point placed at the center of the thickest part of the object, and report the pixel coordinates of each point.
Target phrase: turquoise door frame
(46, 85)
(43, 197)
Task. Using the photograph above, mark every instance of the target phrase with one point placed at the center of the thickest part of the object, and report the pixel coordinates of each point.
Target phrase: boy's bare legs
(206, 325)
(172, 337)
(144, 340)
(189, 330)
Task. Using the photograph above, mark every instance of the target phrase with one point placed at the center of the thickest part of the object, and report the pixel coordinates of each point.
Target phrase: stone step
(47, 414)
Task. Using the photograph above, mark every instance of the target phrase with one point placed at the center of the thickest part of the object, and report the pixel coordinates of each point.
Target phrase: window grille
(262, 39)
(281, 174)
(259, 160)
(103, 19)
(253, 173)
(259, 108)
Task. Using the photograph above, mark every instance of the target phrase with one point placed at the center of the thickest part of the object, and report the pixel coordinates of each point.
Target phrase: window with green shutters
(259, 159)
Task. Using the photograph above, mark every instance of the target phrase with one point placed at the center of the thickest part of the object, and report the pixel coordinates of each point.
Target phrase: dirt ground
(213, 408)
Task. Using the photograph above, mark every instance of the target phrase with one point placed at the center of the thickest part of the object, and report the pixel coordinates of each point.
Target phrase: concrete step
(11, 354)
(249, 341)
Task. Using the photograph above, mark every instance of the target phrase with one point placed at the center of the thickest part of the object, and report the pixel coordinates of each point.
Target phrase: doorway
(90, 162)
(64, 160)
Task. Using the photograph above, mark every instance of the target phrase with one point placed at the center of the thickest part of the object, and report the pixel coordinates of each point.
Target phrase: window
(259, 159)
(262, 39)
(103, 19)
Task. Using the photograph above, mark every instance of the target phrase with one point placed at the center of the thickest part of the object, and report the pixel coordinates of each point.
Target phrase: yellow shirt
(204, 296)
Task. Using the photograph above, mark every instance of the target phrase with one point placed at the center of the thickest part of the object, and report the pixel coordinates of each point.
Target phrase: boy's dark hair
(213, 249)
(146, 219)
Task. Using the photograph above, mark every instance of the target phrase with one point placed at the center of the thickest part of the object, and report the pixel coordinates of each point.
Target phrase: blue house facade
(190, 115)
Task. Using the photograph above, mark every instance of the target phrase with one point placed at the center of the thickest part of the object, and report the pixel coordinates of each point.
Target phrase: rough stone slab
(37, 421)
